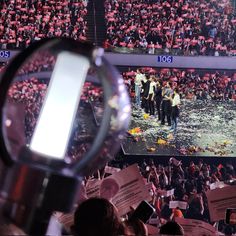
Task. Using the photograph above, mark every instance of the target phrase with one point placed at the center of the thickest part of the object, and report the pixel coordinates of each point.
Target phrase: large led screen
(206, 114)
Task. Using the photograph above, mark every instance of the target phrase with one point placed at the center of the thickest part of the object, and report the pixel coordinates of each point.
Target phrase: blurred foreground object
(64, 110)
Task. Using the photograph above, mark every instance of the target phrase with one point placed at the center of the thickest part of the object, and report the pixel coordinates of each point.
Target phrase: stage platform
(205, 129)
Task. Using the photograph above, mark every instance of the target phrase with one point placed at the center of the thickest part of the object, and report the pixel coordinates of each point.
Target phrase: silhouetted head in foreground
(97, 216)
(171, 228)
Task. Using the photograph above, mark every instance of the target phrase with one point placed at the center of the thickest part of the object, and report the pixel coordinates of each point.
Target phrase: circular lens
(64, 107)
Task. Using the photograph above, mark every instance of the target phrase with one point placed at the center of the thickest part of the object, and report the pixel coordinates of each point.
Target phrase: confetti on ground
(205, 128)
(135, 130)
(151, 149)
(161, 141)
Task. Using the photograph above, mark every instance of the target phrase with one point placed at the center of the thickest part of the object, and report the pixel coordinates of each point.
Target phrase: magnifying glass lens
(53, 106)
(63, 106)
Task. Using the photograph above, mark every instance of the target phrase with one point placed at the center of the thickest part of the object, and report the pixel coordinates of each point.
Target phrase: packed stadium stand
(192, 83)
(23, 22)
(176, 27)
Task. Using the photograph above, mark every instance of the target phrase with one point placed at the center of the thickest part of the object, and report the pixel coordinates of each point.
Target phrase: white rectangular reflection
(57, 115)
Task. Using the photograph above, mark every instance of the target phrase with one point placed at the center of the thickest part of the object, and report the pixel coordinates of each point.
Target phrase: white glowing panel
(54, 126)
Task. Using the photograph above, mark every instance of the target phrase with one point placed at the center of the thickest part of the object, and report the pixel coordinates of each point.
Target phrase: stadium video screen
(206, 115)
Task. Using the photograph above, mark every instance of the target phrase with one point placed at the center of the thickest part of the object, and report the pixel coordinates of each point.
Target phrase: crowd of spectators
(185, 27)
(192, 83)
(179, 27)
(23, 22)
(30, 93)
(105, 220)
(190, 183)
(40, 62)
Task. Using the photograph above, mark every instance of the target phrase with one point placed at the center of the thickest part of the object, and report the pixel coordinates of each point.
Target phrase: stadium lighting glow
(55, 122)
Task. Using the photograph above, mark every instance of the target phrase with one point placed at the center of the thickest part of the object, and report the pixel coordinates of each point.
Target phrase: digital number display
(4, 54)
(165, 59)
